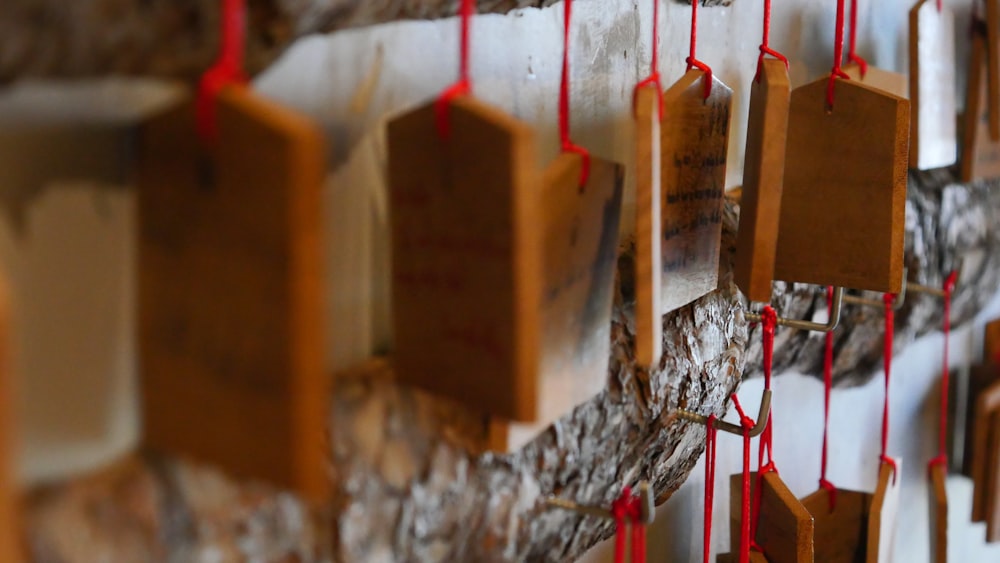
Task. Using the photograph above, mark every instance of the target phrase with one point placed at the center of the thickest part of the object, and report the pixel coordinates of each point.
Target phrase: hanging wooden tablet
(230, 291)
(784, 526)
(580, 231)
(985, 417)
(980, 153)
(992, 477)
(887, 81)
(10, 542)
(467, 257)
(841, 534)
(993, 71)
(933, 137)
(884, 513)
(694, 141)
(842, 207)
(991, 341)
(763, 172)
(648, 262)
(938, 514)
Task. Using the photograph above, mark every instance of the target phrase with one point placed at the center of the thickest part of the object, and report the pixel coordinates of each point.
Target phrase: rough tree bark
(178, 38)
(410, 479)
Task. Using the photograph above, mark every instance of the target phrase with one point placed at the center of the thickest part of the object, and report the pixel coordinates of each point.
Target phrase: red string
(827, 386)
(464, 85)
(765, 48)
(769, 319)
(654, 66)
(942, 457)
(692, 60)
(228, 68)
(838, 55)
(747, 423)
(627, 510)
(852, 54)
(710, 435)
(567, 144)
(939, 6)
(890, 322)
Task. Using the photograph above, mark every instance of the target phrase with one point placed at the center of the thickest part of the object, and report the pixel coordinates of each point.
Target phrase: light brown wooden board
(887, 81)
(992, 476)
(648, 268)
(10, 529)
(980, 153)
(884, 514)
(580, 257)
(991, 341)
(938, 494)
(984, 415)
(785, 527)
(694, 142)
(467, 257)
(841, 535)
(755, 557)
(842, 225)
(230, 292)
(763, 173)
(993, 72)
(933, 135)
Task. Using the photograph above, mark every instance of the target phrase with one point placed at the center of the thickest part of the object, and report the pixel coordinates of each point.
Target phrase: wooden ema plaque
(648, 263)
(580, 258)
(980, 153)
(890, 82)
(883, 514)
(785, 527)
(993, 60)
(10, 542)
(694, 140)
(841, 224)
(230, 292)
(466, 259)
(938, 496)
(763, 172)
(933, 136)
(986, 458)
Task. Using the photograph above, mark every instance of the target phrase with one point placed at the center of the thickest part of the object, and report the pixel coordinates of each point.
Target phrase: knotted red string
(765, 47)
(829, 487)
(567, 144)
(747, 423)
(463, 86)
(710, 435)
(228, 68)
(692, 60)
(769, 319)
(942, 457)
(890, 323)
(627, 510)
(852, 54)
(654, 66)
(838, 55)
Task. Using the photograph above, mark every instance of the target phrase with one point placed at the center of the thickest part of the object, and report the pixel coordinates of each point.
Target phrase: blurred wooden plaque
(933, 136)
(763, 174)
(890, 82)
(843, 224)
(785, 527)
(938, 513)
(993, 72)
(10, 528)
(230, 292)
(991, 342)
(841, 534)
(648, 262)
(694, 142)
(467, 257)
(884, 514)
(980, 153)
(985, 433)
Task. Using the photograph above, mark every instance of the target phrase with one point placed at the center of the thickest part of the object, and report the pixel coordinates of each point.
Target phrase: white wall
(71, 270)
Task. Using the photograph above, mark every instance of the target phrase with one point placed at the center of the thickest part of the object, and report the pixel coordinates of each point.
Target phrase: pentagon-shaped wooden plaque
(938, 496)
(467, 257)
(980, 153)
(230, 292)
(933, 135)
(763, 175)
(648, 260)
(694, 142)
(842, 224)
(785, 527)
(887, 81)
(841, 534)
(884, 514)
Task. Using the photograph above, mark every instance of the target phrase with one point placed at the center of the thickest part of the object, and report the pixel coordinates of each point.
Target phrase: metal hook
(936, 291)
(758, 427)
(897, 304)
(646, 509)
(833, 318)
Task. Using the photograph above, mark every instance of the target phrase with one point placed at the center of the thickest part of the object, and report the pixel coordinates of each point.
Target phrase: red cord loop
(765, 48)
(654, 66)
(942, 458)
(692, 60)
(227, 70)
(464, 85)
(852, 54)
(838, 56)
(827, 386)
(567, 144)
(627, 510)
(710, 441)
(747, 423)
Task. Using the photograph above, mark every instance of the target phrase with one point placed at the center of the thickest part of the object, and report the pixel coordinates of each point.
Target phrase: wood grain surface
(890, 82)
(230, 292)
(648, 209)
(841, 535)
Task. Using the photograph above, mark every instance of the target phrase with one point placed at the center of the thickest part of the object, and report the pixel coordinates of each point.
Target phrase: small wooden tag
(763, 173)
(694, 141)
(933, 136)
(648, 260)
(884, 513)
(938, 514)
(785, 528)
(230, 292)
(467, 257)
(887, 81)
(842, 224)
(984, 460)
(980, 153)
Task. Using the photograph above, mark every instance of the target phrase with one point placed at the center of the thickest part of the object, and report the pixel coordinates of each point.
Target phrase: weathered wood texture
(178, 38)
